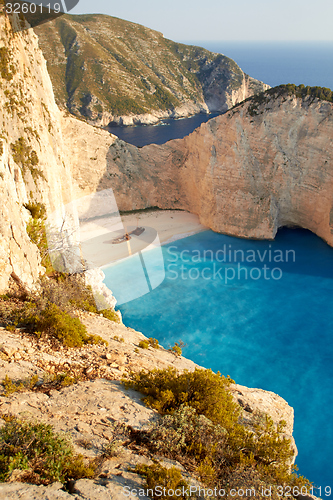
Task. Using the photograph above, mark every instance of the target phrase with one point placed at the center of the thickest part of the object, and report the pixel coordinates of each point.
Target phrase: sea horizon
(278, 62)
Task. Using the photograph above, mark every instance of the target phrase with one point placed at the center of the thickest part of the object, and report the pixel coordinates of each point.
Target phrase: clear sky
(224, 19)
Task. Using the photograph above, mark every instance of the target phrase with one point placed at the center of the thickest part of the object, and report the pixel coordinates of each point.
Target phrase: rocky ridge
(110, 71)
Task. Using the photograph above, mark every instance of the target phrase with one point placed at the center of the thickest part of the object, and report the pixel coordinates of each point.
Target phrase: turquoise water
(273, 333)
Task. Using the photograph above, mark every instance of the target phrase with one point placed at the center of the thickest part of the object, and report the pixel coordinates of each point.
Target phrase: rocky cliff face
(33, 161)
(32, 154)
(264, 164)
(107, 70)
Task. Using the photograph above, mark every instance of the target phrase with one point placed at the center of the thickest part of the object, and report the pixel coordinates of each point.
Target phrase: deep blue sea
(161, 133)
(273, 333)
(274, 63)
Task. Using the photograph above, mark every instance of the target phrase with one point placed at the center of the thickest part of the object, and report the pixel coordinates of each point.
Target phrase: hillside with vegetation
(103, 68)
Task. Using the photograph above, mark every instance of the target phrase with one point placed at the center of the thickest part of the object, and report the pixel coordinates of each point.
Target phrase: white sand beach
(170, 225)
(103, 241)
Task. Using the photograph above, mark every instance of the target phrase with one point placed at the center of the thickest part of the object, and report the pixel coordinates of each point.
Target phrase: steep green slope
(101, 65)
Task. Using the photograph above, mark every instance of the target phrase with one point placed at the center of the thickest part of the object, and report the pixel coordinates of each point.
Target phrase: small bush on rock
(177, 349)
(154, 343)
(52, 322)
(144, 344)
(37, 210)
(187, 433)
(10, 386)
(205, 391)
(162, 477)
(42, 455)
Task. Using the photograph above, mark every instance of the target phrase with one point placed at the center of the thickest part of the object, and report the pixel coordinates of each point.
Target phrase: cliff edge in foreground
(95, 409)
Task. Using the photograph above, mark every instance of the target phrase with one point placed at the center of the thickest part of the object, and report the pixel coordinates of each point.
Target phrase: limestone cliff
(265, 164)
(107, 70)
(33, 163)
(30, 130)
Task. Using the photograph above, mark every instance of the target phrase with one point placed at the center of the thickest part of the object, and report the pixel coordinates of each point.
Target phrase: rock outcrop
(89, 410)
(265, 164)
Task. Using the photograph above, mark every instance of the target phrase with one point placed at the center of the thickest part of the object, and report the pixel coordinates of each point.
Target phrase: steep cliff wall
(265, 164)
(32, 159)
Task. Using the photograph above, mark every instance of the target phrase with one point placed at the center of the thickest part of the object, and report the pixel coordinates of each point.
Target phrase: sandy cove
(100, 237)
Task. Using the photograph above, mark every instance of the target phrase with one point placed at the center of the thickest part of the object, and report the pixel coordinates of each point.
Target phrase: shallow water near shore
(272, 331)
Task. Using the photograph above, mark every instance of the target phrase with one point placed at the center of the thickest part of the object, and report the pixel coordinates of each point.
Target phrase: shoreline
(170, 225)
(161, 227)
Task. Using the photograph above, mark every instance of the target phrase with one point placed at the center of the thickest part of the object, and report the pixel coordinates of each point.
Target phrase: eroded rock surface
(89, 409)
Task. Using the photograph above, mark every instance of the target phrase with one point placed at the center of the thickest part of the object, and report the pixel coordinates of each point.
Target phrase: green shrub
(10, 328)
(166, 390)
(42, 455)
(154, 343)
(110, 314)
(185, 433)
(37, 210)
(207, 472)
(11, 386)
(55, 323)
(50, 312)
(69, 331)
(37, 234)
(56, 382)
(60, 380)
(26, 158)
(177, 349)
(7, 70)
(144, 344)
(161, 477)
